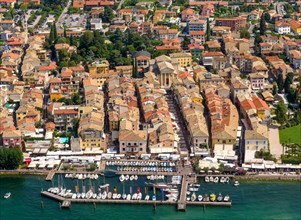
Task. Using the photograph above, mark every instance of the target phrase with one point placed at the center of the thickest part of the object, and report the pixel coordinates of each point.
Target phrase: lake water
(250, 200)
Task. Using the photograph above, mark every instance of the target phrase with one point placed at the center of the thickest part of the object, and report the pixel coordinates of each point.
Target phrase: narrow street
(182, 131)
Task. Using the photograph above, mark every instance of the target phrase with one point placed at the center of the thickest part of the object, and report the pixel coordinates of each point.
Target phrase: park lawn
(291, 135)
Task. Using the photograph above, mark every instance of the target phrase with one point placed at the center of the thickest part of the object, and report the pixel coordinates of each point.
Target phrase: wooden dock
(50, 175)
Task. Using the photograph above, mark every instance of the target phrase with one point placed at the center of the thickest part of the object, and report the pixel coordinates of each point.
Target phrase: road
(182, 132)
(58, 23)
(35, 21)
(252, 38)
(275, 146)
(120, 5)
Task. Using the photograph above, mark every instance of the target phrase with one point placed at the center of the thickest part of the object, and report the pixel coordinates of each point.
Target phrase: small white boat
(132, 178)
(216, 180)
(139, 196)
(118, 196)
(188, 198)
(128, 197)
(227, 198)
(146, 197)
(222, 180)
(211, 179)
(114, 196)
(134, 197)
(136, 177)
(83, 195)
(104, 186)
(227, 179)
(154, 198)
(7, 195)
(200, 198)
(78, 195)
(193, 189)
(236, 183)
(73, 196)
(94, 195)
(123, 196)
(104, 195)
(121, 178)
(126, 177)
(109, 195)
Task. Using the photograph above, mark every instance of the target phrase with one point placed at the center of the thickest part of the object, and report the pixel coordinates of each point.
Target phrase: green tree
(208, 31)
(267, 17)
(280, 82)
(275, 88)
(288, 81)
(10, 158)
(185, 43)
(108, 15)
(263, 26)
(244, 33)
(280, 112)
(76, 99)
(135, 69)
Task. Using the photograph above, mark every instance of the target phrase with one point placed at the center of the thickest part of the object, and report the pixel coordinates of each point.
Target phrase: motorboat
(114, 196)
(136, 177)
(146, 197)
(139, 196)
(78, 195)
(206, 198)
(83, 195)
(219, 197)
(200, 198)
(227, 198)
(104, 195)
(118, 196)
(227, 179)
(212, 197)
(109, 195)
(188, 198)
(124, 196)
(94, 196)
(89, 194)
(134, 197)
(7, 195)
(236, 183)
(127, 177)
(128, 197)
(222, 179)
(132, 178)
(154, 198)
(211, 178)
(216, 180)
(188, 193)
(193, 197)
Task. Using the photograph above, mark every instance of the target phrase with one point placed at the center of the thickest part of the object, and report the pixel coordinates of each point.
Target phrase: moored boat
(200, 198)
(227, 198)
(193, 197)
(219, 197)
(236, 183)
(212, 197)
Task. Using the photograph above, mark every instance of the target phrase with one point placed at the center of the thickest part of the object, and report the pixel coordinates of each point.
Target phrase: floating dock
(66, 203)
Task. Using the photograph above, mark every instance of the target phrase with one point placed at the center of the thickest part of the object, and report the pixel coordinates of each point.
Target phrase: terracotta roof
(65, 112)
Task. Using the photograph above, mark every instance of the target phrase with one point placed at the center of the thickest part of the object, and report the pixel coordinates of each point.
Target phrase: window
(123, 144)
(140, 148)
(129, 144)
(140, 144)
(135, 144)
(123, 149)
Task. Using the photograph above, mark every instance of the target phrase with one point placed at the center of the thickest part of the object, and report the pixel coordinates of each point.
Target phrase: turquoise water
(64, 140)
(253, 200)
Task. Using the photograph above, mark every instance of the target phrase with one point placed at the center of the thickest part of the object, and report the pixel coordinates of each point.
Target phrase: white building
(282, 28)
(96, 24)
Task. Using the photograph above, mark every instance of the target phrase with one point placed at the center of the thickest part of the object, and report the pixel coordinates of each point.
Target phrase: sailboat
(123, 193)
